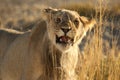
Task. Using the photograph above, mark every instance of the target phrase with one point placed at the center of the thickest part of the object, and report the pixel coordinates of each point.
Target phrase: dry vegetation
(101, 60)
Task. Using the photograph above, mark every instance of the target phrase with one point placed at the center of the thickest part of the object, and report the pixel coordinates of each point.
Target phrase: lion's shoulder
(38, 32)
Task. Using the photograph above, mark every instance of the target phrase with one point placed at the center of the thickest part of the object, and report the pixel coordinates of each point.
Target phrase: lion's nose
(65, 30)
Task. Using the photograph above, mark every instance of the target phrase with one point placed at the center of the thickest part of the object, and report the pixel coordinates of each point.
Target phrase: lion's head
(65, 27)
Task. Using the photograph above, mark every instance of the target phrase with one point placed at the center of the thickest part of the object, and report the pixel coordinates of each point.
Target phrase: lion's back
(7, 36)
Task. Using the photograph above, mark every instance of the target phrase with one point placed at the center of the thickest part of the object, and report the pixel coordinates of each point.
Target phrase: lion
(49, 51)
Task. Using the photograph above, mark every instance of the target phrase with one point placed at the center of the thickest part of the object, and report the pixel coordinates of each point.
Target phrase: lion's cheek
(59, 33)
(78, 36)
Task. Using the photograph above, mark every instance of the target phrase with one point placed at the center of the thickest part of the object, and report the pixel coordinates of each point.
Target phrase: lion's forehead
(67, 14)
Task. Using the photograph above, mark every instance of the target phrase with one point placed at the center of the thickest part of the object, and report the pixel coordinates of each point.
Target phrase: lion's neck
(65, 62)
(68, 62)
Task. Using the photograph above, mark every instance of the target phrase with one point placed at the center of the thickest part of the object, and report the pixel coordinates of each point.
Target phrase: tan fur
(7, 36)
(37, 55)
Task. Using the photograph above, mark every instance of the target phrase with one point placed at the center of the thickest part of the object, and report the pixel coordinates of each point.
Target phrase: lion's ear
(48, 10)
(88, 24)
(47, 13)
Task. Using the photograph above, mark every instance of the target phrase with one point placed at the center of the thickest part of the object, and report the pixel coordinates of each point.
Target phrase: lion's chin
(62, 47)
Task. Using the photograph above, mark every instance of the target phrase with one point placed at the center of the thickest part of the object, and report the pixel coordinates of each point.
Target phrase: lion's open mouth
(64, 40)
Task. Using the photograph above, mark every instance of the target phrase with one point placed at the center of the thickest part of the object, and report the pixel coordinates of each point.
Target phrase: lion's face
(65, 27)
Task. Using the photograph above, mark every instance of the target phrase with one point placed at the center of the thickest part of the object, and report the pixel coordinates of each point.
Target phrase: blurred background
(22, 15)
(13, 13)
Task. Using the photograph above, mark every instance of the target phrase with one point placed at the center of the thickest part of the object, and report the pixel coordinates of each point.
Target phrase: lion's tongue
(64, 39)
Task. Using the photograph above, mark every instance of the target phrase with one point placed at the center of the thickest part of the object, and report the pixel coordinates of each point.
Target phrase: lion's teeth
(69, 40)
(60, 39)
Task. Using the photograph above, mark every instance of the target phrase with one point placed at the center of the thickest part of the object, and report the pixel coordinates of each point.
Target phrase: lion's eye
(57, 20)
(76, 22)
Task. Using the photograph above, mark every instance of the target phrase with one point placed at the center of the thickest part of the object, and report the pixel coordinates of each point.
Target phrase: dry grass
(91, 10)
(99, 63)
(101, 60)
